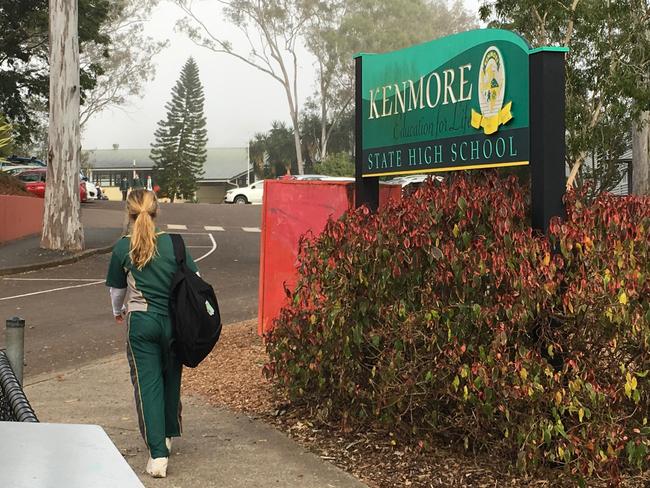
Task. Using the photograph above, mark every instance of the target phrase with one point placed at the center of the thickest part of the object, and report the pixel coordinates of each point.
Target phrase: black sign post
(366, 189)
(547, 136)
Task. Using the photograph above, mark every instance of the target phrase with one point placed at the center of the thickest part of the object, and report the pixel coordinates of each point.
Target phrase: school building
(225, 168)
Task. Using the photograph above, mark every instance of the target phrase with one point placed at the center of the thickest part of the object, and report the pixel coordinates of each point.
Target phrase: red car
(34, 180)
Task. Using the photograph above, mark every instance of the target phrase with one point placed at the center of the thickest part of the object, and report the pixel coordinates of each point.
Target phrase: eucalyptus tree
(641, 126)
(126, 64)
(274, 30)
(347, 27)
(606, 67)
(62, 229)
(24, 59)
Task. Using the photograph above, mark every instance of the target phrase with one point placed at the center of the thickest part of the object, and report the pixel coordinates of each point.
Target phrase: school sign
(459, 102)
(478, 99)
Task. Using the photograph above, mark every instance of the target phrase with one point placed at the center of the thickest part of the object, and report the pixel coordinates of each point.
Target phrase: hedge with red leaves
(445, 314)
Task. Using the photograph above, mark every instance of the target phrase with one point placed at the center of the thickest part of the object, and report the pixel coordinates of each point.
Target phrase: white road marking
(214, 228)
(177, 226)
(214, 248)
(50, 279)
(251, 229)
(52, 290)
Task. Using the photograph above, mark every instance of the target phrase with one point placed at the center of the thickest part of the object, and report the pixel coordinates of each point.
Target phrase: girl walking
(139, 277)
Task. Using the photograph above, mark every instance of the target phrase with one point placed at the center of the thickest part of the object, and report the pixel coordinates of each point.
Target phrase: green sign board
(456, 103)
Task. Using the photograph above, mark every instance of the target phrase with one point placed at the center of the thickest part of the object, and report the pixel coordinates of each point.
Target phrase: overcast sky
(239, 100)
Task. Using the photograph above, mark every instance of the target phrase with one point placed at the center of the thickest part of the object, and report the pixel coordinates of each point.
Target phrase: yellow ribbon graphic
(491, 124)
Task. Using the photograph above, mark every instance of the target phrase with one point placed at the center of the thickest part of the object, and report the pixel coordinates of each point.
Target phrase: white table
(36, 455)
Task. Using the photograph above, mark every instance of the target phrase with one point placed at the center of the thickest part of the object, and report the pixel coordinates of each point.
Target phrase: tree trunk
(324, 136)
(323, 115)
(641, 156)
(61, 223)
(295, 119)
(296, 139)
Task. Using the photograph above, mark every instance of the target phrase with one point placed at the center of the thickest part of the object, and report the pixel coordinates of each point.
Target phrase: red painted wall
(20, 216)
(291, 209)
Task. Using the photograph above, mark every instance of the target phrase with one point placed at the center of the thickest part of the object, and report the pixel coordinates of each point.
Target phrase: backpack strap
(179, 248)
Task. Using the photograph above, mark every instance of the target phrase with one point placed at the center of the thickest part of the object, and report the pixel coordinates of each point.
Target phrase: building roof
(222, 163)
(627, 155)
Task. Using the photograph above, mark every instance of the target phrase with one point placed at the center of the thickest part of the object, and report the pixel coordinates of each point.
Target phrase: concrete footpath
(218, 448)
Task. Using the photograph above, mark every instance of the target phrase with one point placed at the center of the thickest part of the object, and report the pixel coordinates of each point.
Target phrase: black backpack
(193, 310)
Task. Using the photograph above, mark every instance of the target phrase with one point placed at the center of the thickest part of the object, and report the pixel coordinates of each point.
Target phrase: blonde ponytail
(142, 206)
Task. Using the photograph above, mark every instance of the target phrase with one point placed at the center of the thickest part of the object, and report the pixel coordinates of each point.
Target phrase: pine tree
(179, 151)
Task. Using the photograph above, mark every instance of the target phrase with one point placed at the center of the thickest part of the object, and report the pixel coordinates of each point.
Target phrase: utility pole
(62, 218)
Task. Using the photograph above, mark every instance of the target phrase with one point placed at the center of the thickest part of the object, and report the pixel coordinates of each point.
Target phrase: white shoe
(157, 467)
(168, 443)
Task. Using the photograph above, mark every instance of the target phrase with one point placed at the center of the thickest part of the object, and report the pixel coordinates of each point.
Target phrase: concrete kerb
(56, 262)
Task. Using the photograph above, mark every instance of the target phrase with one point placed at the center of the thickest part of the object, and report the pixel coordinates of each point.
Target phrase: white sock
(168, 443)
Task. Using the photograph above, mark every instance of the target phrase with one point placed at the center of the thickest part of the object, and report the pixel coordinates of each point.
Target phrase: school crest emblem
(491, 92)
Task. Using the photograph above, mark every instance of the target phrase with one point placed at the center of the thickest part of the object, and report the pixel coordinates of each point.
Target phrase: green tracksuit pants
(156, 377)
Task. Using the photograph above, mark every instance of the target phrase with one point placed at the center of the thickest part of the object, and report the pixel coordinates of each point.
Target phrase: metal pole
(15, 342)
(248, 163)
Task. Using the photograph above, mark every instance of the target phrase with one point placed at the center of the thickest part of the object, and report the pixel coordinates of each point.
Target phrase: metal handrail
(12, 391)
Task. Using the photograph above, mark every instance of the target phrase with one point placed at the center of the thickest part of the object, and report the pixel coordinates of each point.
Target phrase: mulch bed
(12, 186)
(231, 377)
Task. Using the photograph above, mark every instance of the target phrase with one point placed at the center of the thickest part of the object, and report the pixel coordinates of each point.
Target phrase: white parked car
(318, 178)
(405, 181)
(252, 193)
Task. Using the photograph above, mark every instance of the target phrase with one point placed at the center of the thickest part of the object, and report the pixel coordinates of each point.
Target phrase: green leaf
(462, 203)
(559, 428)
(436, 253)
(550, 351)
(467, 239)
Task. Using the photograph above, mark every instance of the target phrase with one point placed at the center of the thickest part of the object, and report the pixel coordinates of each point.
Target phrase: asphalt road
(67, 309)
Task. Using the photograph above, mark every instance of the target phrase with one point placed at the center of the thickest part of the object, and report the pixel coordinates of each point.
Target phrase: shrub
(445, 314)
(339, 164)
(10, 185)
